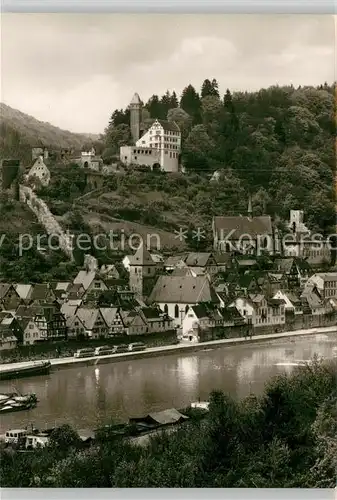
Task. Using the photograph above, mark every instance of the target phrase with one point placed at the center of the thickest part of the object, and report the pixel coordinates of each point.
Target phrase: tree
(117, 136)
(182, 119)
(210, 88)
(197, 148)
(190, 102)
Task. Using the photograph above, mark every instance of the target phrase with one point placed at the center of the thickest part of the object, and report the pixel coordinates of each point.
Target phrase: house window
(176, 311)
(186, 309)
(97, 285)
(165, 309)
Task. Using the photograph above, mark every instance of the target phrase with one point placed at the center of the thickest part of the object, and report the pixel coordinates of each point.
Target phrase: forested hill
(20, 132)
(277, 143)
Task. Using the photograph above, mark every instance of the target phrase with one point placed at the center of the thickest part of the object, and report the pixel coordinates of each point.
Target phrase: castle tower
(135, 117)
(142, 267)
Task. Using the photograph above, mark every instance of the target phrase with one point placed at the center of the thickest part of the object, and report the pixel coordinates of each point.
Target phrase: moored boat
(30, 370)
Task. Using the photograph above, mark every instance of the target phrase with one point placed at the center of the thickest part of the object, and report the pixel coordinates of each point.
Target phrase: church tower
(135, 117)
(142, 269)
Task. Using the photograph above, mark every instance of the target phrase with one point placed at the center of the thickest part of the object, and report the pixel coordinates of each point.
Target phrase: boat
(8, 408)
(14, 401)
(30, 370)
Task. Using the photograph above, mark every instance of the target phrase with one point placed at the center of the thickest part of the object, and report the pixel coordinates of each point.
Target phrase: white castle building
(158, 148)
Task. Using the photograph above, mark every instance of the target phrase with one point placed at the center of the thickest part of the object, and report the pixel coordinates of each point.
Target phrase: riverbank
(62, 363)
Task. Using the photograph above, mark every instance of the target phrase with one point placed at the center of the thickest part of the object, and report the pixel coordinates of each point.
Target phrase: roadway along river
(86, 397)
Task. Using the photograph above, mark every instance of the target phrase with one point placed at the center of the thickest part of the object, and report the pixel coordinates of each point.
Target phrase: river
(86, 397)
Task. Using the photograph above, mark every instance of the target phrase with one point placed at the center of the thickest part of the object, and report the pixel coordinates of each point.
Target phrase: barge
(29, 370)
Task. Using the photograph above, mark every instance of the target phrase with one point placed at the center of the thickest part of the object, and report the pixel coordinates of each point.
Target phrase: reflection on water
(88, 397)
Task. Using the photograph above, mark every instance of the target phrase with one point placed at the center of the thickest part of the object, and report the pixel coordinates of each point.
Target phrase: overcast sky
(74, 70)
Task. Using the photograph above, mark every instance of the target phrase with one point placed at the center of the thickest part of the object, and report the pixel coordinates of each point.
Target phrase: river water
(86, 397)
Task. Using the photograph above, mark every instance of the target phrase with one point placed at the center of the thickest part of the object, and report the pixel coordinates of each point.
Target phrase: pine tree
(191, 103)
(210, 88)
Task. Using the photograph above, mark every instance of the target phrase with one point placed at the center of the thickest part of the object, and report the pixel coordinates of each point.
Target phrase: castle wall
(46, 218)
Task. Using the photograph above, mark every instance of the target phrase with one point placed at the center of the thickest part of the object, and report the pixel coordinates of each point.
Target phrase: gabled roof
(87, 316)
(256, 298)
(142, 257)
(4, 288)
(40, 291)
(24, 291)
(28, 311)
(173, 260)
(167, 126)
(185, 290)
(198, 259)
(151, 313)
(75, 291)
(109, 314)
(85, 278)
(237, 226)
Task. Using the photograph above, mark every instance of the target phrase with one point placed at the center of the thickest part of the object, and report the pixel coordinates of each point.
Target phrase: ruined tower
(135, 117)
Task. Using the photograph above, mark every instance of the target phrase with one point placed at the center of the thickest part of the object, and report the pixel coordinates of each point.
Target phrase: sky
(74, 70)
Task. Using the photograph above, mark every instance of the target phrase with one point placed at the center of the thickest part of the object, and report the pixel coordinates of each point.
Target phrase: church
(158, 147)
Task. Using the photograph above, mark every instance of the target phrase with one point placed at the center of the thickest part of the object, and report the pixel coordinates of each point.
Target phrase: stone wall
(46, 219)
(300, 322)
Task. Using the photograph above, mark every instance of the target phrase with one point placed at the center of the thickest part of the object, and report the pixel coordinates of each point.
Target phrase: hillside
(20, 132)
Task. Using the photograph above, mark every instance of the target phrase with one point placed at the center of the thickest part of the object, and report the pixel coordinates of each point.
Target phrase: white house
(39, 170)
(158, 148)
(292, 303)
(326, 284)
(245, 308)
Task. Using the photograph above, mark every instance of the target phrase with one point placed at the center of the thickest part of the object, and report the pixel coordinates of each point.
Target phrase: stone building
(158, 147)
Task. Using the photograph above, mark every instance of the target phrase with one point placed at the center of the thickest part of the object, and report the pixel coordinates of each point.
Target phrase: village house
(134, 323)
(113, 319)
(174, 295)
(292, 302)
(295, 270)
(91, 281)
(10, 323)
(247, 235)
(49, 322)
(42, 292)
(9, 298)
(246, 308)
(326, 284)
(24, 292)
(109, 271)
(156, 320)
(31, 331)
(268, 311)
(200, 317)
(202, 260)
(39, 170)
(175, 262)
(313, 303)
(75, 328)
(8, 341)
(69, 308)
(93, 322)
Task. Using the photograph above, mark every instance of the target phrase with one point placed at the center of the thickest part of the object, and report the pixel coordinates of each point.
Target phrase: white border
(177, 6)
(166, 6)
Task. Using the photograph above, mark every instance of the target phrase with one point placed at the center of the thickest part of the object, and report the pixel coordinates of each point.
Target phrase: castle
(158, 147)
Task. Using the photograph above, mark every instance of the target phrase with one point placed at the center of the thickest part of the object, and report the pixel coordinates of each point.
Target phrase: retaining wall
(47, 219)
